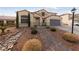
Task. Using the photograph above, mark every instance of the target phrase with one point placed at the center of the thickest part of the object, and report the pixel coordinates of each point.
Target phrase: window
(43, 13)
(10, 22)
(24, 19)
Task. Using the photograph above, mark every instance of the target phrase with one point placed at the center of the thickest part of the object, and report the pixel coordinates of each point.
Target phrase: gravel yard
(51, 41)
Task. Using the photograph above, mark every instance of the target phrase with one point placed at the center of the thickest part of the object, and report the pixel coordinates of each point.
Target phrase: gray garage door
(54, 22)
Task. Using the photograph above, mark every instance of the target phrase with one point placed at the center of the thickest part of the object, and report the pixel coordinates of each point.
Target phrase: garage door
(54, 22)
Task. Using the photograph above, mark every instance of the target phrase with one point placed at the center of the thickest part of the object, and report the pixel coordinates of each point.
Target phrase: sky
(11, 11)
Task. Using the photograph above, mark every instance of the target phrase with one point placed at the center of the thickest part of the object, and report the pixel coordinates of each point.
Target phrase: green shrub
(32, 45)
(53, 29)
(71, 37)
(34, 31)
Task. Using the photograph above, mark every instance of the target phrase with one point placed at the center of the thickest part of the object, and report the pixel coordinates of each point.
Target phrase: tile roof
(7, 18)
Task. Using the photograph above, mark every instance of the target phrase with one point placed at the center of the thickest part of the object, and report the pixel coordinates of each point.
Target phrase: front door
(43, 23)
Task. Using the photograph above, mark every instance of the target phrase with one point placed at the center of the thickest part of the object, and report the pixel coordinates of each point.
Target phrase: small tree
(2, 28)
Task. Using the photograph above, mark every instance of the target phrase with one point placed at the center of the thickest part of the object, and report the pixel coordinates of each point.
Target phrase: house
(38, 18)
(67, 19)
(8, 20)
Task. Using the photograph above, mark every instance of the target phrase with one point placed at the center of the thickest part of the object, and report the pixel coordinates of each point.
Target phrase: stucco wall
(46, 13)
(66, 19)
(20, 14)
(38, 14)
(32, 20)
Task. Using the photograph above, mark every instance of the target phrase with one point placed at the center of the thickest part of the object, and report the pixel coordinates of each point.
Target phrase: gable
(44, 13)
(23, 12)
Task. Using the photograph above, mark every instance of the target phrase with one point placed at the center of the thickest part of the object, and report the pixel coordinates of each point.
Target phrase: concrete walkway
(50, 42)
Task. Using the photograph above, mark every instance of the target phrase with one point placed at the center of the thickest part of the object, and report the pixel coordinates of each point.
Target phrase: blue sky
(11, 11)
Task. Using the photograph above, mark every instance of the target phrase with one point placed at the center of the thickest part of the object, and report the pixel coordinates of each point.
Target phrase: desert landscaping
(39, 31)
(45, 39)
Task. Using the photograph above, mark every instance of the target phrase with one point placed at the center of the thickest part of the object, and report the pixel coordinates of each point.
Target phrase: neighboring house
(8, 20)
(67, 19)
(38, 18)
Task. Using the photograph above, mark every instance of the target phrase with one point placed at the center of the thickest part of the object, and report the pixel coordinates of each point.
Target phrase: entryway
(43, 23)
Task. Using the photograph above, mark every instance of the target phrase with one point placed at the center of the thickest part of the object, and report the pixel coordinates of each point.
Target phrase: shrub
(34, 31)
(32, 45)
(3, 29)
(35, 26)
(71, 37)
(47, 27)
(53, 29)
(8, 31)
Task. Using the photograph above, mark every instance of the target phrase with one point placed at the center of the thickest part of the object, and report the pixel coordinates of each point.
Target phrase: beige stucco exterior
(67, 19)
(20, 13)
(36, 18)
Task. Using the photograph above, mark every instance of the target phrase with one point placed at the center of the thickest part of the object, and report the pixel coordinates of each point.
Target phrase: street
(69, 28)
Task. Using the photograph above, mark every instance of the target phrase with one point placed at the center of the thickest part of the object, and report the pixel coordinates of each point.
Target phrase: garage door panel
(55, 22)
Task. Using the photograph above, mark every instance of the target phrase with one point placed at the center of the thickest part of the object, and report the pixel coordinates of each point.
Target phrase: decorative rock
(8, 44)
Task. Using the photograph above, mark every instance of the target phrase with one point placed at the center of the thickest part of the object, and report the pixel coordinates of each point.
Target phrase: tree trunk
(17, 18)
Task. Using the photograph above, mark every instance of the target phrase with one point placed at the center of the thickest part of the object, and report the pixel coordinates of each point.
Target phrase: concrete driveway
(68, 29)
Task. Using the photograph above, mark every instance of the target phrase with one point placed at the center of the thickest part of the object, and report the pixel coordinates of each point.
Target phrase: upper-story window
(43, 13)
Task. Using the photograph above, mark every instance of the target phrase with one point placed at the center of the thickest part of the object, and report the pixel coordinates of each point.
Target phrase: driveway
(68, 29)
(50, 42)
